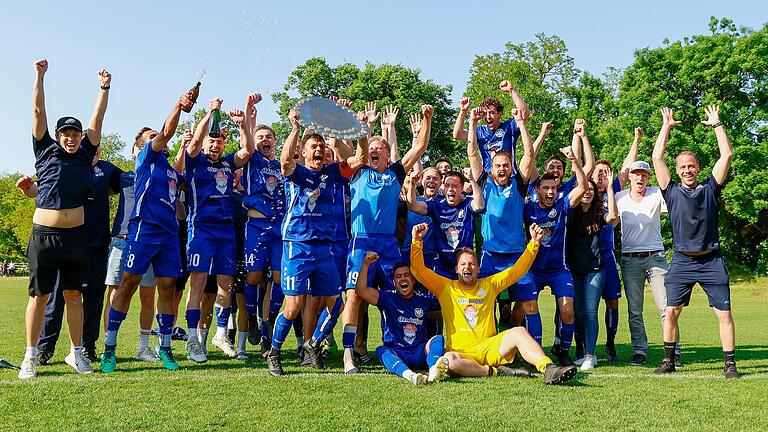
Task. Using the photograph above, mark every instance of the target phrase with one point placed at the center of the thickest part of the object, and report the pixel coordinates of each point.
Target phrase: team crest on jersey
(271, 183)
(452, 235)
(499, 133)
(552, 214)
(461, 214)
(98, 172)
(470, 313)
(221, 181)
(409, 333)
(312, 200)
(172, 189)
(419, 312)
(481, 292)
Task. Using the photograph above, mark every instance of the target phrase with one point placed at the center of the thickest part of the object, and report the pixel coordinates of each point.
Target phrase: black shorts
(57, 253)
(707, 270)
(181, 281)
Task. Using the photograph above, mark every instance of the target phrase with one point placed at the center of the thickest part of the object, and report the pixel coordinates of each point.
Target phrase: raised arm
(526, 162)
(659, 166)
(178, 159)
(27, 186)
(247, 147)
(196, 146)
(574, 197)
(631, 157)
(473, 151)
(459, 133)
(97, 118)
(580, 129)
(723, 164)
(415, 205)
(39, 116)
(545, 129)
(371, 115)
(431, 280)
(520, 104)
(612, 217)
(388, 121)
(416, 121)
(506, 278)
(169, 127)
(287, 164)
(414, 154)
(370, 295)
(478, 201)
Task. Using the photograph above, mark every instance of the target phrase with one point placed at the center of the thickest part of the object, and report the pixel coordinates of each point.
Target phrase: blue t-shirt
(503, 138)
(415, 219)
(502, 228)
(125, 204)
(105, 180)
(155, 192)
(403, 320)
(263, 183)
(62, 178)
(606, 233)
(562, 190)
(312, 206)
(551, 256)
(454, 227)
(374, 199)
(210, 187)
(693, 215)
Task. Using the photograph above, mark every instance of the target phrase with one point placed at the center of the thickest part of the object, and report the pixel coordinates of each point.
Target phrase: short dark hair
(456, 174)
(554, 157)
(604, 162)
(400, 265)
(547, 176)
(259, 127)
(138, 135)
(316, 137)
(465, 250)
(506, 153)
(444, 159)
(492, 102)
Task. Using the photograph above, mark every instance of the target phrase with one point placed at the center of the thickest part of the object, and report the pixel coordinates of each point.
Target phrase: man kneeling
(474, 348)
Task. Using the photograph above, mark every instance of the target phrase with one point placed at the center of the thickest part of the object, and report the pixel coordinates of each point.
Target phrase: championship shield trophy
(329, 119)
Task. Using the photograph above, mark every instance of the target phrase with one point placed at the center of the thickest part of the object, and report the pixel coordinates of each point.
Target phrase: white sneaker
(418, 379)
(241, 355)
(78, 362)
(148, 355)
(438, 370)
(579, 361)
(195, 351)
(590, 362)
(224, 345)
(28, 368)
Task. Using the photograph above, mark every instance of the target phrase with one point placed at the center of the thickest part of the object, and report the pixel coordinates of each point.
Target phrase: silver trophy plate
(329, 119)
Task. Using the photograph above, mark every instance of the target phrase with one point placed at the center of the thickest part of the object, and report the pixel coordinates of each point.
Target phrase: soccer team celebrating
(269, 244)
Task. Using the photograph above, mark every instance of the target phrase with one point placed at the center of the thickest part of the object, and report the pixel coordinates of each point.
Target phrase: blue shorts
(494, 262)
(306, 269)
(559, 281)
(161, 251)
(340, 250)
(708, 270)
(211, 248)
(413, 357)
(380, 273)
(263, 246)
(611, 281)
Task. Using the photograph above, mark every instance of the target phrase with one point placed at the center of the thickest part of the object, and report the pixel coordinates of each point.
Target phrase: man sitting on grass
(474, 348)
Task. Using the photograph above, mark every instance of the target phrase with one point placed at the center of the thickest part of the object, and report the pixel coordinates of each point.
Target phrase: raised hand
(24, 182)
(638, 133)
(293, 117)
(390, 115)
(370, 112)
(579, 128)
(104, 77)
(419, 231)
(186, 138)
(477, 115)
(568, 152)
(518, 116)
(253, 99)
(415, 120)
(537, 233)
(464, 104)
(546, 127)
(506, 86)
(668, 118)
(713, 115)
(370, 257)
(345, 102)
(427, 111)
(41, 66)
(237, 116)
(216, 104)
(185, 102)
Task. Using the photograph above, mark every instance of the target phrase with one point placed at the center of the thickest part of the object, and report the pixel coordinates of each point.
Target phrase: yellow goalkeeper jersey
(468, 310)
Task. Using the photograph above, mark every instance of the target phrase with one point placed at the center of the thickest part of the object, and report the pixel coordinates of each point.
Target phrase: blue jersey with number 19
(374, 199)
(155, 193)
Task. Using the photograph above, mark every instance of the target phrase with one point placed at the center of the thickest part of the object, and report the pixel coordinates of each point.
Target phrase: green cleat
(166, 355)
(108, 360)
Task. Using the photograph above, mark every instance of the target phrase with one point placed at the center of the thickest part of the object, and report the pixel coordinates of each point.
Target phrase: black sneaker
(563, 358)
(90, 354)
(637, 359)
(678, 363)
(43, 357)
(314, 354)
(610, 351)
(505, 371)
(361, 358)
(558, 374)
(730, 370)
(666, 366)
(266, 345)
(274, 365)
(254, 330)
(555, 350)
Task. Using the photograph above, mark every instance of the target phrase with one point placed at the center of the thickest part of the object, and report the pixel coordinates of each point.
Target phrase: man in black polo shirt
(697, 258)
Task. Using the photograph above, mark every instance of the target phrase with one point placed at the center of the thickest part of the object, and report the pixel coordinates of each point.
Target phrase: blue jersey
(343, 211)
(155, 193)
(403, 320)
(503, 138)
(263, 183)
(562, 190)
(374, 199)
(415, 219)
(502, 227)
(312, 206)
(454, 227)
(606, 232)
(551, 254)
(210, 188)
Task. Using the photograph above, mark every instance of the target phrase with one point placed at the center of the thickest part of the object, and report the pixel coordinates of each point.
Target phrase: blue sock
(391, 361)
(193, 318)
(566, 335)
(611, 323)
(534, 326)
(222, 316)
(165, 324)
(282, 327)
(115, 319)
(276, 298)
(348, 336)
(436, 347)
(327, 321)
(251, 293)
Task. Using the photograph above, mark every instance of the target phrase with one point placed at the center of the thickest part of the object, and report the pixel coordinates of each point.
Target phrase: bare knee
(566, 311)
(531, 307)
(72, 296)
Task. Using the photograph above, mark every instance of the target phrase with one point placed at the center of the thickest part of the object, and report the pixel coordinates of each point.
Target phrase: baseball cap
(640, 166)
(69, 122)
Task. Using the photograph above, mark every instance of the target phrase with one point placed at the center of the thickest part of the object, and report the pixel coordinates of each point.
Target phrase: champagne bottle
(194, 92)
(214, 128)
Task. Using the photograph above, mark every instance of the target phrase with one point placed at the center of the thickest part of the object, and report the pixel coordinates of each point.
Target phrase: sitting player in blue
(375, 193)
(550, 268)
(504, 238)
(406, 344)
(308, 231)
(153, 239)
(494, 135)
(211, 245)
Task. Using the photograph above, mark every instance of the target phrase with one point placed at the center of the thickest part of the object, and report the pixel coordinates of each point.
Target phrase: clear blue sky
(155, 49)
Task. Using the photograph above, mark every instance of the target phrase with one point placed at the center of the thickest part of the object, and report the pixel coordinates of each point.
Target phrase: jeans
(635, 272)
(588, 288)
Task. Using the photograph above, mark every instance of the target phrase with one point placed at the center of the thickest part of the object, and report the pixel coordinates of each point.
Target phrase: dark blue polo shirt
(106, 179)
(63, 179)
(693, 215)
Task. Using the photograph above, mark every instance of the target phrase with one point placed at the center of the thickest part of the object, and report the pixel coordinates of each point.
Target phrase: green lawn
(226, 394)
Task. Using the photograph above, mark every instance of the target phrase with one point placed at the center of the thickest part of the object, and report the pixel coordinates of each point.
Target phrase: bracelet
(106, 87)
(717, 124)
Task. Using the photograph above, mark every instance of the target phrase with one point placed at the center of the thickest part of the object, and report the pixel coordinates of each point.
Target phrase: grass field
(226, 394)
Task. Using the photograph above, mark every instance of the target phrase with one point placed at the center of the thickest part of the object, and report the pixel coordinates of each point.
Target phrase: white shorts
(117, 263)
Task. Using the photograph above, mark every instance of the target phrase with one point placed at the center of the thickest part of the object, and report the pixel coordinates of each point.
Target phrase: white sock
(192, 333)
(77, 350)
(221, 332)
(410, 376)
(242, 337)
(203, 338)
(31, 352)
(144, 339)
